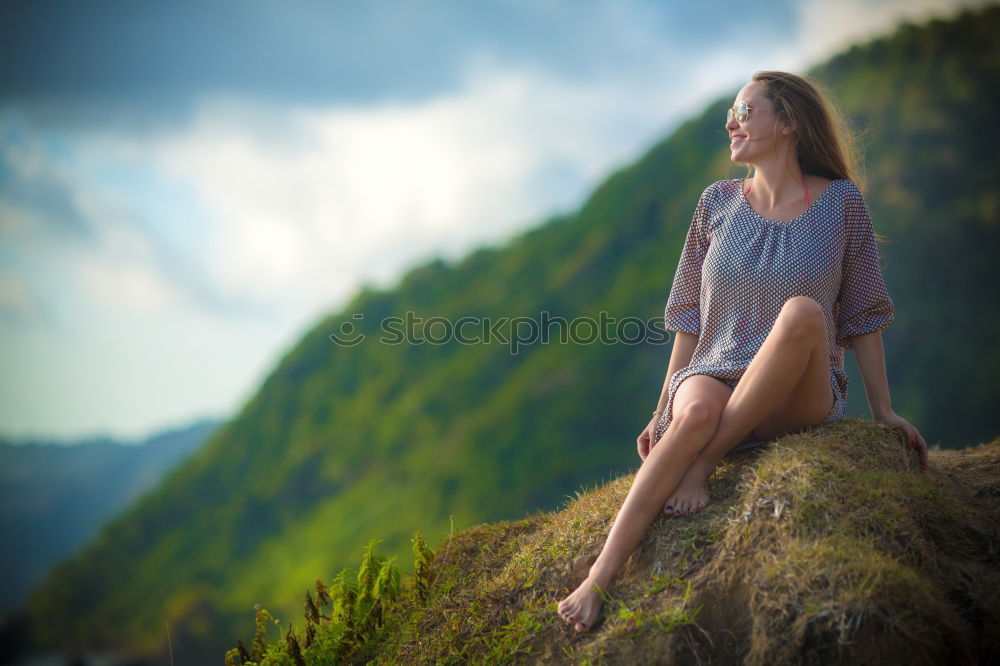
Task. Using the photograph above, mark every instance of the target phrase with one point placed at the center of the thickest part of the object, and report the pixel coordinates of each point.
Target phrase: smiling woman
(771, 287)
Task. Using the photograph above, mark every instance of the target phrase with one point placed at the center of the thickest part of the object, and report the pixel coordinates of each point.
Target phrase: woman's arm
(680, 357)
(870, 354)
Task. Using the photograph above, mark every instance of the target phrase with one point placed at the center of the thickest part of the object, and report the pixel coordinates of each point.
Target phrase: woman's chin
(737, 156)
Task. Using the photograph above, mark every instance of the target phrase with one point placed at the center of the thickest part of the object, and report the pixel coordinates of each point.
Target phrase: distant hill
(344, 443)
(54, 496)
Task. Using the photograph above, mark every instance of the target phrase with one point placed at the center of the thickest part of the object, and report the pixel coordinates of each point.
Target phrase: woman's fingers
(923, 451)
(644, 443)
(917, 442)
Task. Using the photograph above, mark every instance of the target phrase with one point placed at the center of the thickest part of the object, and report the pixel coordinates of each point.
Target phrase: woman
(778, 275)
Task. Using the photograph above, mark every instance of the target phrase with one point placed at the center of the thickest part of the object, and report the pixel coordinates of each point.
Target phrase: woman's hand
(912, 434)
(644, 441)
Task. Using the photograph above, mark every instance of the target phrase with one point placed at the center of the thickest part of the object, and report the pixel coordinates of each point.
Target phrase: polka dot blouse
(738, 268)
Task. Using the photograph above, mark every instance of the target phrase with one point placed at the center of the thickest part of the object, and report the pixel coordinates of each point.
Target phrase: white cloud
(300, 204)
(106, 260)
(828, 27)
(122, 269)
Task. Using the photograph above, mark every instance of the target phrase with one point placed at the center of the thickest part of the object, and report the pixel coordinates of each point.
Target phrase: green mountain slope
(341, 444)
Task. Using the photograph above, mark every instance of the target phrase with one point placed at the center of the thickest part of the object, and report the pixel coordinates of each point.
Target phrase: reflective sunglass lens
(741, 113)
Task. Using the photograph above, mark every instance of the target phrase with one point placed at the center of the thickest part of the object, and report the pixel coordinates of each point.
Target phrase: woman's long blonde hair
(824, 144)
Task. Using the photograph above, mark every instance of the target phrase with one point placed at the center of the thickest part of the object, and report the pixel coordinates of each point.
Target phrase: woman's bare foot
(691, 495)
(581, 608)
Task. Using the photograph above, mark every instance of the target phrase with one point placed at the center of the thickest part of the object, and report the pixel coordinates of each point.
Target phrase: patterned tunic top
(738, 268)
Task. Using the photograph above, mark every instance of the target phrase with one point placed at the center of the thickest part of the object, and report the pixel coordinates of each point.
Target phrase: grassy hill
(342, 444)
(828, 546)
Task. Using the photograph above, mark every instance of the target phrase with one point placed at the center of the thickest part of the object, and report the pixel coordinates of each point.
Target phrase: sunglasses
(741, 112)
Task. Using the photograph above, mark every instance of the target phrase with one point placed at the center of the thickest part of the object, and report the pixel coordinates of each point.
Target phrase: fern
(259, 645)
(358, 603)
(423, 557)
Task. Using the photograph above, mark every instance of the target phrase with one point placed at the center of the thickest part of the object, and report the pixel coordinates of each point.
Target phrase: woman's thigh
(812, 398)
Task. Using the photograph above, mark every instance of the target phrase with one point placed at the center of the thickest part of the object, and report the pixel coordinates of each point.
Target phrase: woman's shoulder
(723, 189)
(838, 193)
(843, 185)
(728, 186)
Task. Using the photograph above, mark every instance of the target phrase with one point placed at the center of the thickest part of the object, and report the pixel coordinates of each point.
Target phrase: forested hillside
(344, 443)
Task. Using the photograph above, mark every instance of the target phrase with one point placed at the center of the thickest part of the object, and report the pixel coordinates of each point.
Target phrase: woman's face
(760, 135)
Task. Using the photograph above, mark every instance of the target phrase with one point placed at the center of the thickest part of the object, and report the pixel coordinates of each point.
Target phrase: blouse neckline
(812, 205)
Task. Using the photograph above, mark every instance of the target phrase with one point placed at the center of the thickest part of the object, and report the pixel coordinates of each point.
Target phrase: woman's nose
(731, 124)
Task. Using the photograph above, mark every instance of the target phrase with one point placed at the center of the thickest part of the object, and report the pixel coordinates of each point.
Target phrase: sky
(187, 187)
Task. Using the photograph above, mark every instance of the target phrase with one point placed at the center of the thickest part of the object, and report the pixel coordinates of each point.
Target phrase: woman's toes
(581, 608)
(570, 613)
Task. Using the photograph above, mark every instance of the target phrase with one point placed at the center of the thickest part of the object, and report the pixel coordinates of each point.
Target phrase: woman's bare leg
(788, 381)
(696, 417)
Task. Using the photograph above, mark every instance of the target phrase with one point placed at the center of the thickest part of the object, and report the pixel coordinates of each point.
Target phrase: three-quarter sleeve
(863, 304)
(683, 311)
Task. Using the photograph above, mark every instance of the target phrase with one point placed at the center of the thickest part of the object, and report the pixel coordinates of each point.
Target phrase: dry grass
(829, 546)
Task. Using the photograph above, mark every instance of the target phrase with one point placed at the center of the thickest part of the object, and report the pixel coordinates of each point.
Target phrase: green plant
(423, 558)
(357, 604)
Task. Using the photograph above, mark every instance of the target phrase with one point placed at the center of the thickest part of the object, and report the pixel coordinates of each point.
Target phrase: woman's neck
(773, 189)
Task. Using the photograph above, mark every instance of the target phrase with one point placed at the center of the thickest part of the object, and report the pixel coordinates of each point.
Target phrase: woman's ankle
(702, 468)
(601, 575)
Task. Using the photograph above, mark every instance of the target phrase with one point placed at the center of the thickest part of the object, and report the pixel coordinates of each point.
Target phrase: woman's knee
(801, 315)
(698, 413)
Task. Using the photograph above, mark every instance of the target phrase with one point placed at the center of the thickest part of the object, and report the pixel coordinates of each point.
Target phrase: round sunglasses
(741, 112)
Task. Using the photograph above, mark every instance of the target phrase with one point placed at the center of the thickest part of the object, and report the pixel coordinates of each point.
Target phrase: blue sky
(185, 187)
